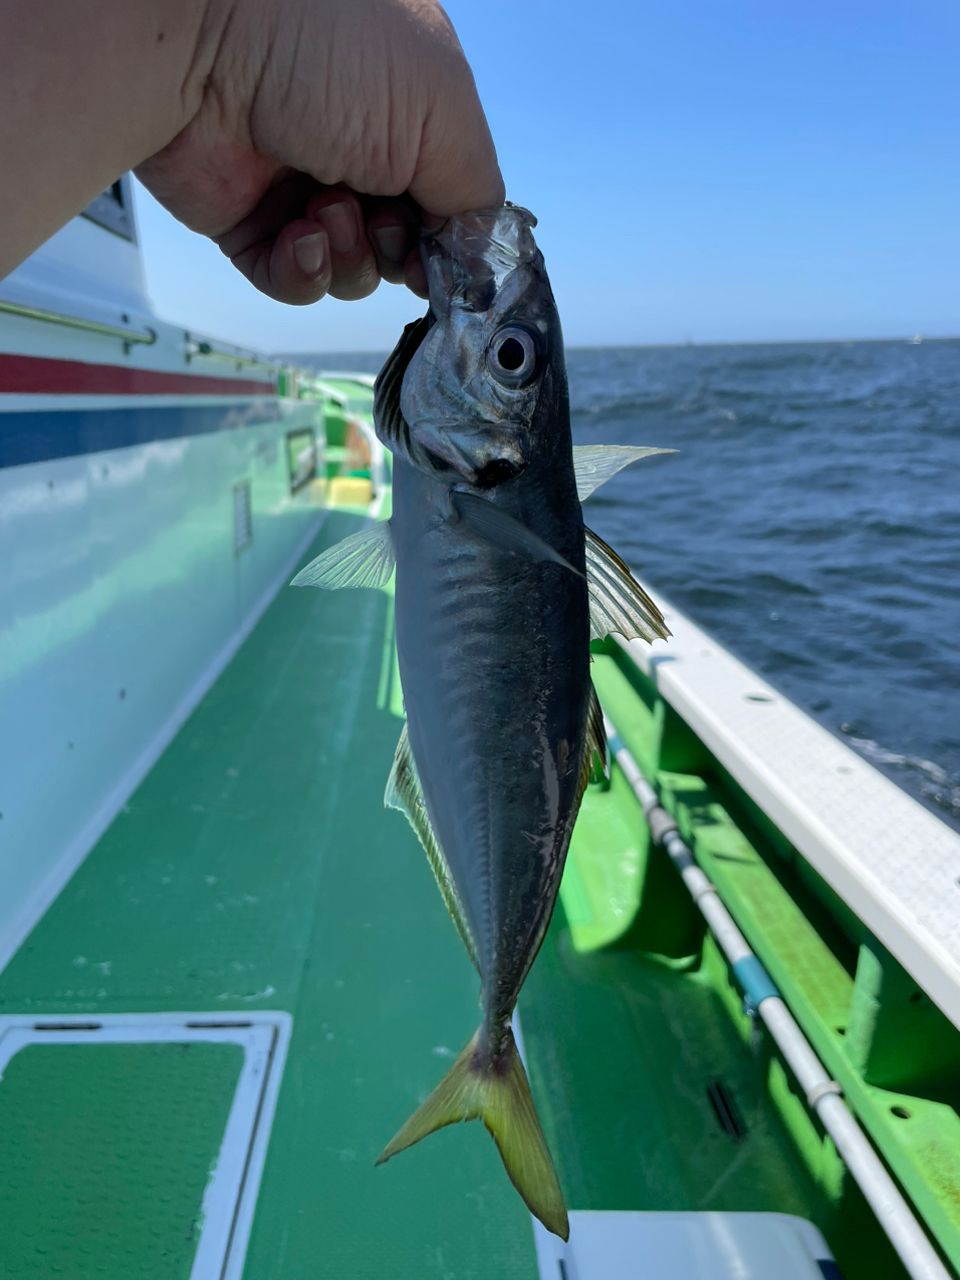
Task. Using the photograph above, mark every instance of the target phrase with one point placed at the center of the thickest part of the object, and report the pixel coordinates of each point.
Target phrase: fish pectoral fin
(405, 793)
(365, 559)
(618, 603)
(498, 527)
(387, 416)
(595, 464)
(499, 1096)
(595, 766)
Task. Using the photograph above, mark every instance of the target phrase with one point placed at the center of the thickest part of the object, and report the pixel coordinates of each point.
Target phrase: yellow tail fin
(500, 1097)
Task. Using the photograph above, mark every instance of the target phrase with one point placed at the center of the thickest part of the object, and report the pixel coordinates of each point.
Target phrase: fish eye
(512, 355)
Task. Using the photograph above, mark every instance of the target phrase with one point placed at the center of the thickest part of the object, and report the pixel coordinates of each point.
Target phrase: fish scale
(469, 647)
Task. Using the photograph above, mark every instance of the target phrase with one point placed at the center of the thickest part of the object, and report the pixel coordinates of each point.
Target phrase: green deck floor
(255, 869)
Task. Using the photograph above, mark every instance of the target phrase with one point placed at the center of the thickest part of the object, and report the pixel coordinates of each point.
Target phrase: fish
(499, 589)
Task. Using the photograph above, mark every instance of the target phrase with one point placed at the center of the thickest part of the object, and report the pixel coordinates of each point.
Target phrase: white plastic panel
(685, 1246)
(121, 598)
(230, 1197)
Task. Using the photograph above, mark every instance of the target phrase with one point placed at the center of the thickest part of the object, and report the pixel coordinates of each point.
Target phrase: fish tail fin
(499, 1095)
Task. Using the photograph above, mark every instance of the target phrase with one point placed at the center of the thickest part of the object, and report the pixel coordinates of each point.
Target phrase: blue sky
(707, 170)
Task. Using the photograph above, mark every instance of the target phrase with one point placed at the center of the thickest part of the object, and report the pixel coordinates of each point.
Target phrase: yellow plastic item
(350, 491)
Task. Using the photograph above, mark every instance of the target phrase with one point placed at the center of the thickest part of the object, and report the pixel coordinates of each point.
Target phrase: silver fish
(499, 588)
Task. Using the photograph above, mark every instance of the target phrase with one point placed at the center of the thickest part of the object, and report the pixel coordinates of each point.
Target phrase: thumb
(456, 168)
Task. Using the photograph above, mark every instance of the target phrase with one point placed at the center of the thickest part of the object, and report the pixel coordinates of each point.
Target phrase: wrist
(172, 47)
(201, 42)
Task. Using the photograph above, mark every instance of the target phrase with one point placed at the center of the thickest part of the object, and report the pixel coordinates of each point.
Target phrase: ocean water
(810, 520)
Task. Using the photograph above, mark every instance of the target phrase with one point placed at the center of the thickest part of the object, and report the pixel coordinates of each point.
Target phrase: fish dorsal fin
(404, 793)
(365, 559)
(595, 743)
(391, 426)
(595, 464)
(495, 525)
(618, 603)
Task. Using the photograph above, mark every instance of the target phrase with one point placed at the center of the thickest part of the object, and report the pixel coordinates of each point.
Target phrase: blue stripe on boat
(42, 435)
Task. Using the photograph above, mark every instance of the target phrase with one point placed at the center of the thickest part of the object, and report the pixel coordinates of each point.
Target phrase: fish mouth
(497, 471)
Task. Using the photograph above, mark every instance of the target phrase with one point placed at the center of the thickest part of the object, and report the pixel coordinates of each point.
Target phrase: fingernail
(311, 253)
(341, 225)
(392, 243)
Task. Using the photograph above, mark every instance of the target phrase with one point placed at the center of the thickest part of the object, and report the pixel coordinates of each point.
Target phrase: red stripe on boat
(37, 375)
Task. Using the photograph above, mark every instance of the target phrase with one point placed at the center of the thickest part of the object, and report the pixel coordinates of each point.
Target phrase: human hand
(324, 131)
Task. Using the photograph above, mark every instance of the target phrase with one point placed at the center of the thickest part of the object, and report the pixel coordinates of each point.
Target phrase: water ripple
(810, 520)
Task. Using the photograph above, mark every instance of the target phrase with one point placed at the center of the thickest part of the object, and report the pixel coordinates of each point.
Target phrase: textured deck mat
(105, 1153)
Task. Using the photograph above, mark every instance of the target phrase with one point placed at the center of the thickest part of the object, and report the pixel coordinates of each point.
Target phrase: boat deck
(255, 872)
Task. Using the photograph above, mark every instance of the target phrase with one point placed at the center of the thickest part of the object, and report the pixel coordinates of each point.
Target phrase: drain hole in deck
(216, 1023)
(67, 1026)
(901, 1113)
(726, 1110)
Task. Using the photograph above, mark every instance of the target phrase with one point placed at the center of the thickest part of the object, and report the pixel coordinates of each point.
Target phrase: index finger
(457, 168)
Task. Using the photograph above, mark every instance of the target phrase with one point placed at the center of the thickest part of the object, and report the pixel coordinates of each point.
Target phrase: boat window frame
(112, 210)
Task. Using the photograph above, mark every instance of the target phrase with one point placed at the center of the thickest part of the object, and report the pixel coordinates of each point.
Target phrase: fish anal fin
(595, 464)
(499, 1095)
(405, 793)
(364, 559)
(618, 603)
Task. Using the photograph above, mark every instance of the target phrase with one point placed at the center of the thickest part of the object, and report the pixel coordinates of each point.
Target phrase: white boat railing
(891, 860)
(200, 347)
(361, 379)
(126, 333)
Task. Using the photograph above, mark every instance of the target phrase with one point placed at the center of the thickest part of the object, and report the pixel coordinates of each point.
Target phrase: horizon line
(668, 346)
